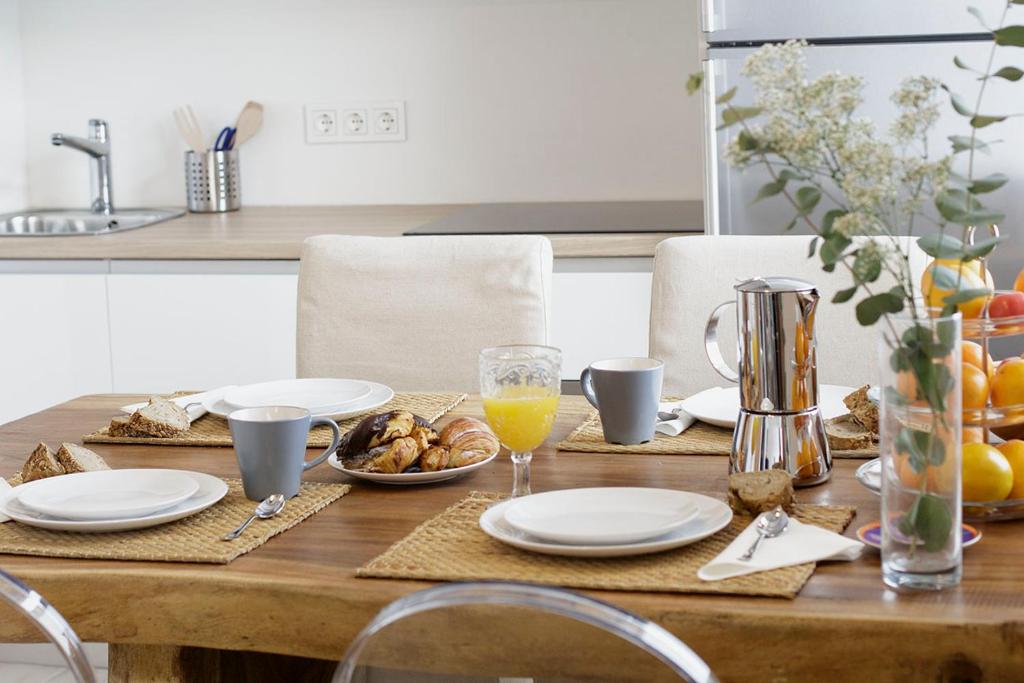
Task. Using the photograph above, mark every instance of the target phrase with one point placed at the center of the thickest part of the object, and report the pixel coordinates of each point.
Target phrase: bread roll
(756, 492)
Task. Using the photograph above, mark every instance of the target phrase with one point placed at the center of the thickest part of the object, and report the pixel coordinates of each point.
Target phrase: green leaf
(980, 121)
(747, 142)
(734, 115)
(867, 265)
(694, 82)
(940, 245)
(959, 206)
(726, 96)
(830, 218)
(958, 103)
(807, 198)
(789, 174)
(844, 295)
(965, 295)
(833, 247)
(976, 13)
(989, 183)
(811, 247)
(829, 267)
(1010, 35)
(792, 224)
(962, 143)
(1010, 73)
(933, 521)
(945, 277)
(947, 336)
(981, 248)
(770, 189)
(869, 310)
(958, 63)
(894, 397)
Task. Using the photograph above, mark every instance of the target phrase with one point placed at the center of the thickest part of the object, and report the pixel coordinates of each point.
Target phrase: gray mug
(626, 392)
(270, 444)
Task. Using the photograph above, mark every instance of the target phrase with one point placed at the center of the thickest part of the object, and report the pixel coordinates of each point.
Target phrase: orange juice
(522, 416)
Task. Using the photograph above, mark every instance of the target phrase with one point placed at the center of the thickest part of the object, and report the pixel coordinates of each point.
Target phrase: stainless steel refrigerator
(884, 41)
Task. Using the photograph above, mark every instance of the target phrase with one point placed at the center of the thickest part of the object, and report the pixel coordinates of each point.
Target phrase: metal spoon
(768, 526)
(265, 510)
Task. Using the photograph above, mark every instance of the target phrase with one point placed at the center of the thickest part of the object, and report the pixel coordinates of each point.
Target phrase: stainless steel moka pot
(779, 424)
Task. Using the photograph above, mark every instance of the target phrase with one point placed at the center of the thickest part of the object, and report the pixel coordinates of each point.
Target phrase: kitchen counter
(277, 232)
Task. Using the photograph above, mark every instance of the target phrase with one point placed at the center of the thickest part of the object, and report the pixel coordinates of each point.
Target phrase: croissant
(394, 457)
(435, 459)
(424, 437)
(469, 441)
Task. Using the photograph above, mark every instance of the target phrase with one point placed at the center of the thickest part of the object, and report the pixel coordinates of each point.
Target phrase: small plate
(378, 396)
(871, 534)
(601, 516)
(107, 494)
(211, 490)
(315, 395)
(408, 478)
(719, 406)
(712, 516)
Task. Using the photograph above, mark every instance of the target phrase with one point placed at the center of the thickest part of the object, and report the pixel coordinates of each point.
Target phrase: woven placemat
(193, 539)
(451, 547)
(699, 439)
(210, 430)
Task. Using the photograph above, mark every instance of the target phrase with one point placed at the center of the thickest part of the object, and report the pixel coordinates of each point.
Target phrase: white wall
(506, 99)
(13, 191)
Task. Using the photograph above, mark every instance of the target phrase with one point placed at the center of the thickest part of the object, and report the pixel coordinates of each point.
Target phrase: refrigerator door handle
(709, 19)
(711, 208)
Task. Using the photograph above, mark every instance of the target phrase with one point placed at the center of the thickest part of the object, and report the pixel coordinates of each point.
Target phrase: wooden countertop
(277, 232)
(845, 625)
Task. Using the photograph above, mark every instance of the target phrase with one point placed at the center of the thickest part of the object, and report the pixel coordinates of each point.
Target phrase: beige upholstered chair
(414, 312)
(692, 275)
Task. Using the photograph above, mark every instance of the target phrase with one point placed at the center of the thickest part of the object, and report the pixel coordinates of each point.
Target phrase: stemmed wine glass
(520, 386)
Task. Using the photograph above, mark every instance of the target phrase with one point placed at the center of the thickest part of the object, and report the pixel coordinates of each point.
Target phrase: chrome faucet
(98, 149)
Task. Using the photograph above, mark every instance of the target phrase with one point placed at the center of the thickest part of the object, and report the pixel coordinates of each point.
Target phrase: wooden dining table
(290, 607)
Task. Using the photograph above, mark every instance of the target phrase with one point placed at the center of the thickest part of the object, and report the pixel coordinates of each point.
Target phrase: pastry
(861, 407)
(41, 464)
(75, 458)
(469, 441)
(387, 443)
(845, 433)
(435, 459)
(393, 457)
(756, 492)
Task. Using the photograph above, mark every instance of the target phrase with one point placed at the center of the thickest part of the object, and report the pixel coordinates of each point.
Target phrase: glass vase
(920, 443)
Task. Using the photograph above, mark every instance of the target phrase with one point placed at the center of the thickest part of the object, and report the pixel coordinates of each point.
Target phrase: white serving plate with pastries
(407, 478)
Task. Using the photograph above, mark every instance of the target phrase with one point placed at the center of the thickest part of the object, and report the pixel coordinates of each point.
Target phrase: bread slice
(845, 433)
(862, 409)
(41, 464)
(160, 418)
(75, 458)
(119, 426)
(756, 492)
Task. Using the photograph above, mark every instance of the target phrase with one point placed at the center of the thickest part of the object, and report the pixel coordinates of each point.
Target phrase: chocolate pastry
(386, 441)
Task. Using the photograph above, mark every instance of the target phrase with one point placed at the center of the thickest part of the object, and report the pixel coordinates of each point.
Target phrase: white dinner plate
(315, 395)
(211, 490)
(601, 516)
(378, 396)
(712, 516)
(407, 478)
(720, 406)
(107, 494)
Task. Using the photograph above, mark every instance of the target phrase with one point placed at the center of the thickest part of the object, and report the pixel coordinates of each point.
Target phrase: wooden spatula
(248, 123)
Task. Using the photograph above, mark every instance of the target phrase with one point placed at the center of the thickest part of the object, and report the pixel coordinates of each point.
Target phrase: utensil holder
(212, 181)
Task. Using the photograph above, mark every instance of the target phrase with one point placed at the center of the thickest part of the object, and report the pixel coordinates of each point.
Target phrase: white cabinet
(197, 328)
(55, 343)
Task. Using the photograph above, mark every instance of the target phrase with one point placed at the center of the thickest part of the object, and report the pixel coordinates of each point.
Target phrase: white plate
(712, 516)
(601, 516)
(107, 494)
(378, 396)
(211, 490)
(315, 395)
(409, 477)
(720, 406)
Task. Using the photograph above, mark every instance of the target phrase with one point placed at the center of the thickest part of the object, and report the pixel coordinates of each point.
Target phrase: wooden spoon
(248, 123)
(189, 130)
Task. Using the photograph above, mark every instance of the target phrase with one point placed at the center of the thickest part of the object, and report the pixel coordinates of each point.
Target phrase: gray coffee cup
(270, 445)
(626, 392)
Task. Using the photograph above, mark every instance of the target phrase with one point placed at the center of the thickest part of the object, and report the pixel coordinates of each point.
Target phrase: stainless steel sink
(80, 222)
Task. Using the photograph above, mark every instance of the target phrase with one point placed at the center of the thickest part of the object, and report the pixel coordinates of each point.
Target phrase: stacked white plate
(323, 397)
(720, 406)
(112, 500)
(605, 522)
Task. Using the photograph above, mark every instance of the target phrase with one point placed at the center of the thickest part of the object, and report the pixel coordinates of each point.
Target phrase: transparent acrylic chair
(21, 608)
(450, 633)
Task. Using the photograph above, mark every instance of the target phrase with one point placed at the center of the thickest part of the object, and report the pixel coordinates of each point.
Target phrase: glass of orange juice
(520, 386)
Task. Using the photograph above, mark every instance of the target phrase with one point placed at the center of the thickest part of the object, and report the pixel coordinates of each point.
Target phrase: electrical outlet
(355, 122)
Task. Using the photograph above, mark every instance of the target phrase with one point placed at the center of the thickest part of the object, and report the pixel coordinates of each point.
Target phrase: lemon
(987, 473)
(1013, 451)
(970, 278)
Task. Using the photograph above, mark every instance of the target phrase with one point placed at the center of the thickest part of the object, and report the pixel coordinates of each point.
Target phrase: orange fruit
(906, 384)
(1013, 451)
(975, 387)
(973, 353)
(987, 473)
(974, 435)
(1008, 383)
(1018, 284)
(970, 278)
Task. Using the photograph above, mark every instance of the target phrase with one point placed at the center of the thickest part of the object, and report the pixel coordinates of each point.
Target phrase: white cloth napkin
(799, 543)
(677, 426)
(4, 488)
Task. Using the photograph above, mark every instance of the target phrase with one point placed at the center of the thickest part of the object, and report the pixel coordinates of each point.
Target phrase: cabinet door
(55, 343)
(599, 315)
(198, 331)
